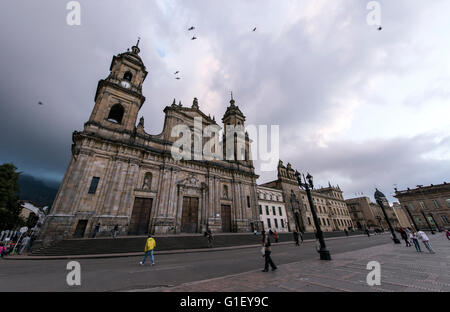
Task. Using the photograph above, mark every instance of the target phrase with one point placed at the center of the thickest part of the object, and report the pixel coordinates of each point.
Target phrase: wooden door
(226, 218)
(189, 217)
(140, 217)
(81, 228)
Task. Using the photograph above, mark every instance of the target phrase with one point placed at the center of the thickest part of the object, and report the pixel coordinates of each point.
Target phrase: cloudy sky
(356, 106)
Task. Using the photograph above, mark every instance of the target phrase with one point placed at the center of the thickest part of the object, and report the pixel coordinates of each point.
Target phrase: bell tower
(119, 97)
(235, 119)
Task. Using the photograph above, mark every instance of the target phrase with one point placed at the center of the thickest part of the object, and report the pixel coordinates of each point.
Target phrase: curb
(163, 252)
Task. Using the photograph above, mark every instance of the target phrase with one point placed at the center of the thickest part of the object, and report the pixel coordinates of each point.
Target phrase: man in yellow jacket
(149, 246)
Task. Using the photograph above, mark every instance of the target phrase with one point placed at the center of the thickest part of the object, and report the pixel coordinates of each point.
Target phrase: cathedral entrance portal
(226, 218)
(81, 228)
(140, 217)
(189, 218)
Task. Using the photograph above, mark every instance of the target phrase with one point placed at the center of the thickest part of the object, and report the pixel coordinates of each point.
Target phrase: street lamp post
(308, 185)
(379, 198)
(428, 222)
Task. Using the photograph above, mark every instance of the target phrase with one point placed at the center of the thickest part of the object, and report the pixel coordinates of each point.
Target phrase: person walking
(425, 240)
(404, 237)
(267, 251)
(415, 240)
(25, 244)
(296, 238)
(149, 247)
(2, 250)
(447, 233)
(301, 235)
(346, 232)
(275, 235)
(367, 232)
(115, 231)
(96, 230)
(210, 238)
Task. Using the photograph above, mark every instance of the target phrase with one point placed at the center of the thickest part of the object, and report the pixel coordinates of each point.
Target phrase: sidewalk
(402, 270)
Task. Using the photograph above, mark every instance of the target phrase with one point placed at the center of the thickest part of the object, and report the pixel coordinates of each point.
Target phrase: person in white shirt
(425, 240)
(413, 237)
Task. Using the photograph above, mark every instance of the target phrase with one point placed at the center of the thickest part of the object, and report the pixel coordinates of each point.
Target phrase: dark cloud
(306, 68)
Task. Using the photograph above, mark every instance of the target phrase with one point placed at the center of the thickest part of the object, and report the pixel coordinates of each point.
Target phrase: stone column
(217, 196)
(126, 206)
(173, 195)
(99, 209)
(84, 182)
(159, 191)
(179, 210)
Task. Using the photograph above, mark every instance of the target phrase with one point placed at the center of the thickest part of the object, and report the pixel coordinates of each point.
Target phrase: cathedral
(119, 175)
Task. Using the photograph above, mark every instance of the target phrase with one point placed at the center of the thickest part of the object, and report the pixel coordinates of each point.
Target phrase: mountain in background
(37, 191)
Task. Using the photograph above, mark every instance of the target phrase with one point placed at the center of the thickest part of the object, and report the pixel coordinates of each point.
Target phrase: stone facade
(402, 216)
(121, 175)
(366, 214)
(330, 205)
(433, 201)
(272, 210)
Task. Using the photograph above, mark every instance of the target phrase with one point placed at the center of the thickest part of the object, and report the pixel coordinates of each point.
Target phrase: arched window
(146, 185)
(116, 113)
(128, 76)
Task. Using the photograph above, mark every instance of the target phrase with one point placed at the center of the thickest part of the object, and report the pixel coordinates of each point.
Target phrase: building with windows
(331, 209)
(366, 214)
(120, 174)
(271, 209)
(431, 202)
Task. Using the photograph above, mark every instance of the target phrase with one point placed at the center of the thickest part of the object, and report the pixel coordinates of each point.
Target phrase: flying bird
(178, 78)
(254, 29)
(176, 72)
(380, 28)
(193, 38)
(40, 103)
(191, 28)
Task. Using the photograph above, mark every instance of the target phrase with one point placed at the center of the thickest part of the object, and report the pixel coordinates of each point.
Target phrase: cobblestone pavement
(402, 270)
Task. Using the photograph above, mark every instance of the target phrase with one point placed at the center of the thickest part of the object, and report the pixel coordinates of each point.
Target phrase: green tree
(9, 200)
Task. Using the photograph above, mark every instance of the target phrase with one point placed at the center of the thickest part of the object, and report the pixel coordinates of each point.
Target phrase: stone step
(136, 243)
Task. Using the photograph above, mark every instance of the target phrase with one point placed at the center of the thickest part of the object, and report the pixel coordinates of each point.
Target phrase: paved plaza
(402, 270)
(299, 269)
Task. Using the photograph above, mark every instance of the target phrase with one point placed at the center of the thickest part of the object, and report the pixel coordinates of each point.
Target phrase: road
(122, 274)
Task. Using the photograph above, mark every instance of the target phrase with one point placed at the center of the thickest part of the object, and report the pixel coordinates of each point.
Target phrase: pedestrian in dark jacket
(210, 238)
(404, 237)
(296, 239)
(115, 231)
(267, 252)
(263, 234)
(367, 232)
(96, 230)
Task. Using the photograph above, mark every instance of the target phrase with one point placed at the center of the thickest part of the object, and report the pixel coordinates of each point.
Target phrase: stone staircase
(134, 244)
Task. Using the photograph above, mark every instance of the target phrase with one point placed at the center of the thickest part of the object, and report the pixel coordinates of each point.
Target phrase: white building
(271, 208)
